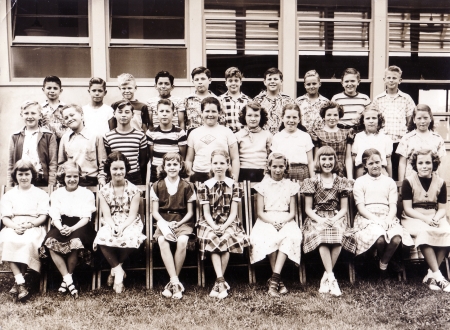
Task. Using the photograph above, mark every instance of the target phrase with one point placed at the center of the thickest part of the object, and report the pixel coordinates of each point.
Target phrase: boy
(351, 100)
(233, 101)
(164, 86)
(36, 144)
(165, 138)
(396, 108)
(141, 118)
(272, 99)
(82, 146)
(129, 141)
(201, 78)
(97, 114)
(51, 108)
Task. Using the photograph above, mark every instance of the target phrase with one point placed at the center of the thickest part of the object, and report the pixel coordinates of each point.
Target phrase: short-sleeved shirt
(78, 203)
(379, 141)
(293, 145)
(274, 108)
(310, 110)
(326, 199)
(231, 109)
(192, 105)
(375, 190)
(277, 194)
(412, 142)
(204, 140)
(395, 110)
(337, 140)
(55, 119)
(254, 147)
(165, 141)
(13, 202)
(424, 190)
(140, 115)
(353, 107)
(127, 143)
(96, 120)
(152, 104)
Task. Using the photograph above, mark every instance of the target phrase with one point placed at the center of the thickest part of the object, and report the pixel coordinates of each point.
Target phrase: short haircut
(199, 70)
(369, 153)
(394, 68)
(210, 100)
(125, 78)
(420, 107)
(351, 71)
(61, 175)
(292, 106)
(312, 73)
(326, 151)
(273, 71)
(162, 174)
(54, 79)
(165, 102)
(434, 158)
(164, 74)
(233, 72)
(72, 105)
(225, 154)
(371, 107)
(256, 107)
(29, 103)
(331, 105)
(23, 165)
(97, 81)
(123, 104)
(115, 156)
(276, 155)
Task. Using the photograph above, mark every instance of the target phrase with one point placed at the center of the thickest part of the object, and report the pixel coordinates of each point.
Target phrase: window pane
(38, 62)
(328, 89)
(147, 62)
(144, 19)
(62, 18)
(331, 66)
(249, 88)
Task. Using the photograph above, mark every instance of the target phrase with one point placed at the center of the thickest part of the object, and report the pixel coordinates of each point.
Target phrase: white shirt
(96, 120)
(29, 151)
(293, 145)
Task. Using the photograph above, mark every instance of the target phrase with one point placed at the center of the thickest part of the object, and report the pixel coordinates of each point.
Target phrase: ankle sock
(174, 280)
(330, 277)
(383, 266)
(19, 279)
(276, 277)
(438, 275)
(118, 274)
(68, 279)
(220, 279)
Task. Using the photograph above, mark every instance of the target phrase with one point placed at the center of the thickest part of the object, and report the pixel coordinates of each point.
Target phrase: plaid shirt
(54, 119)
(193, 116)
(232, 108)
(274, 109)
(395, 110)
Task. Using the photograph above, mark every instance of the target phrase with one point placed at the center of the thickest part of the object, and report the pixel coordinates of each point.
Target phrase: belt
(426, 206)
(173, 212)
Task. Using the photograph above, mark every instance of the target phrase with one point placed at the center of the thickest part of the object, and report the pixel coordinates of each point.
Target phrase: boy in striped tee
(129, 141)
(351, 100)
(165, 138)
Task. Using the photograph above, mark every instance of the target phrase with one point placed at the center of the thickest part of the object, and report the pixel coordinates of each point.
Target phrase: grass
(365, 305)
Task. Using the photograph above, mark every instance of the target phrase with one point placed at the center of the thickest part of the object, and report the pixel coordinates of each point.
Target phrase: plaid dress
(326, 204)
(220, 195)
(336, 140)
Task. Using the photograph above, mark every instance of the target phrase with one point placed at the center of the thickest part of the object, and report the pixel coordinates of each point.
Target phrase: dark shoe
(23, 292)
(384, 275)
(273, 289)
(282, 288)
(63, 288)
(14, 289)
(396, 266)
(73, 291)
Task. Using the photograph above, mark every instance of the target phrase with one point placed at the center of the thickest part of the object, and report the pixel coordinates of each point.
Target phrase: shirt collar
(40, 130)
(45, 104)
(286, 134)
(374, 178)
(195, 96)
(211, 182)
(269, 180)
(85, 132)
(172, 185)
(241, 97)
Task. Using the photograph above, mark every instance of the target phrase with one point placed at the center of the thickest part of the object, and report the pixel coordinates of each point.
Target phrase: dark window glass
(328, 89)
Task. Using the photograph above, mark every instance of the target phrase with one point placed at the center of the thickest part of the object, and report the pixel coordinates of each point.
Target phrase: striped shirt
(353, 107)
(152, 104)
(165, 141)
(232, 108)
(127, 143)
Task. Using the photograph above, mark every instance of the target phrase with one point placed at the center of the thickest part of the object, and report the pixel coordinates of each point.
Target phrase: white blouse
(79, 203)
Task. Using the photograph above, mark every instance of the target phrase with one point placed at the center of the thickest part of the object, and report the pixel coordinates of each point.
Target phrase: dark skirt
(81, 239)
(251, 174)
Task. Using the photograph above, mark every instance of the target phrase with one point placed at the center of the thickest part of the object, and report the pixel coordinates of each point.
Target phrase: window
(46, 35)
(147, 36)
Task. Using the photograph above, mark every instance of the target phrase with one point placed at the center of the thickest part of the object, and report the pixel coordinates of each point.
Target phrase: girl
(121, 231)
(311, 103)
(220, 230)
(424, 203)
(24, 230)
(372, 122)
(420, 136)
(375, 223)
(339, 139)
(72, 235)
(275, 233)
(294, 144)
(253, 142)
(173, 207)
(326, 206)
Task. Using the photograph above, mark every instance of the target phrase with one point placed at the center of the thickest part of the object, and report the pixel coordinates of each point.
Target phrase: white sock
(383, 266)
(331, 277)
(19, 279)
(118, 271)
(68, 279)
(437, 275)
(174, 280)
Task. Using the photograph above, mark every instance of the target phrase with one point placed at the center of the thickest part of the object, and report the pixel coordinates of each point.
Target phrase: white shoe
(324, 285)
(334, 288)
(223, 292)
(215, 291)
(442, 284)
(427, 277)
(167, 290)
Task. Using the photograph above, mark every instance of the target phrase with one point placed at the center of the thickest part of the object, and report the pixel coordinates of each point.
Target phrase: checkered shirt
(232, 108)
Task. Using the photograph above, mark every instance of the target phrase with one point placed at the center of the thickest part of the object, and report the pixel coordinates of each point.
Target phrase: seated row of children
(275, 234)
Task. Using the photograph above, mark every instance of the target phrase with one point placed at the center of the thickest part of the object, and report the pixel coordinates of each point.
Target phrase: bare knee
(163, 244)
(182, 242)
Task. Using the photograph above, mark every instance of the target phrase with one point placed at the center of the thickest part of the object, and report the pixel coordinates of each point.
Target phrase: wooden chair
(243, 218)
(144, 212)
(43, 279)
(154, 243)
(252, 216)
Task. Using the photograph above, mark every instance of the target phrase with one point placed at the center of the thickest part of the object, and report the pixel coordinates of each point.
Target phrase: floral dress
(265, 238)
(326, 203)
(219, 195)
(132, 236)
